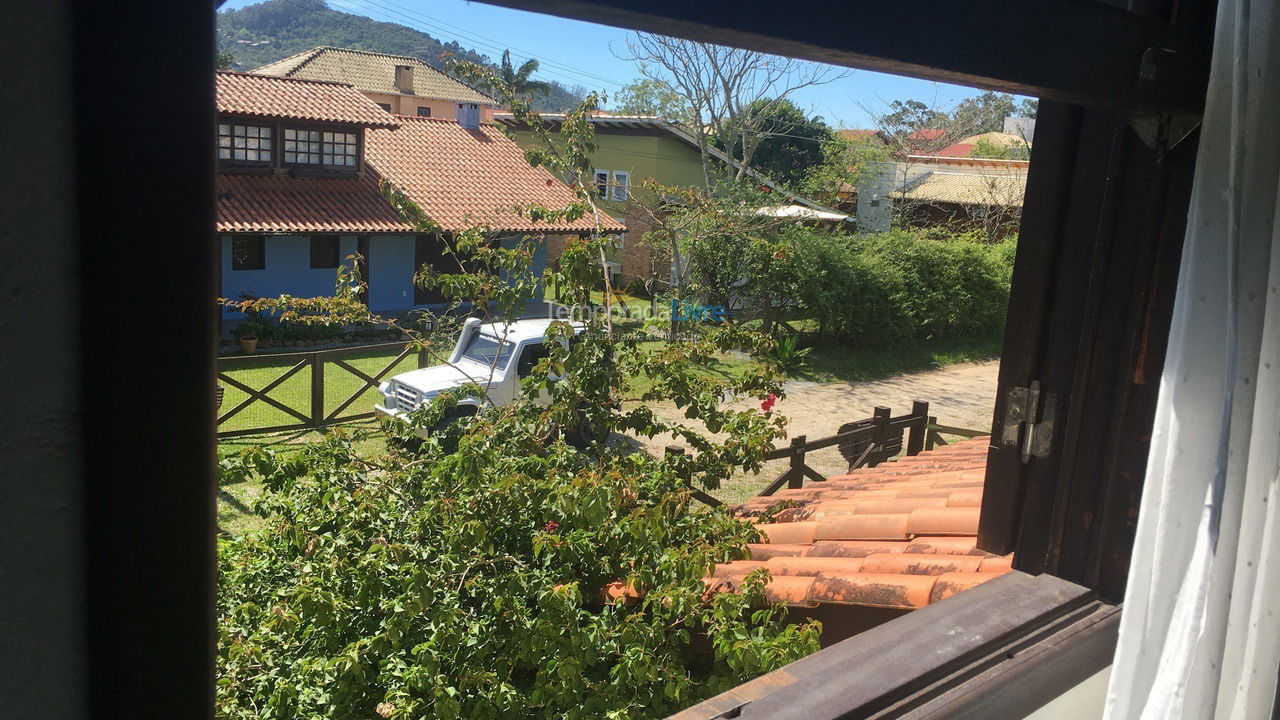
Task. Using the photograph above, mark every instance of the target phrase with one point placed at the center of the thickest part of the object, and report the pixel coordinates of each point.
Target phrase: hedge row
(900, 286)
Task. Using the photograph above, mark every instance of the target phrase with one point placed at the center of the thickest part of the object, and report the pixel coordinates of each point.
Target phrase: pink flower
(768, 403)
(551, 526)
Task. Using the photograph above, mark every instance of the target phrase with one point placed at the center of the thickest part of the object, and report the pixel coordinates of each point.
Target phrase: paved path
(960, 395)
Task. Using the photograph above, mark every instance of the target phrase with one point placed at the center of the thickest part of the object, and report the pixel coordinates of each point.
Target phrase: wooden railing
(863, 443)
(310, 408)
(935, 432)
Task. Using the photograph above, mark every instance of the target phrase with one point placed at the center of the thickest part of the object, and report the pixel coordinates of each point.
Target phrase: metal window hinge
(1029, 413)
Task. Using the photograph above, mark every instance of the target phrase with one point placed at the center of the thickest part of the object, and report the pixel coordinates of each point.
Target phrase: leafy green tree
(646, 96)
(913, 127)
(520, 79)
(846, 164)
(225, 61)
(982, 113)
(984, 148)
(492, 570)
(1028, 108)
(790, 142)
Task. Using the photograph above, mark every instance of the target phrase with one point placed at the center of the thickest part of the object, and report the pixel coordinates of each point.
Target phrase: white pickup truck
(496, 357)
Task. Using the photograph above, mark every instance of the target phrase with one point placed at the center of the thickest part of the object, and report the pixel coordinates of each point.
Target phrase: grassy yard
(295, 392)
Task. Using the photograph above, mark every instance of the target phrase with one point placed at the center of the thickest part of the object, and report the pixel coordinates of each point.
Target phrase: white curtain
(1200, 632)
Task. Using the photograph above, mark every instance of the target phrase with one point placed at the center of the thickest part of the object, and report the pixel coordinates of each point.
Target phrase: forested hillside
(266, 32)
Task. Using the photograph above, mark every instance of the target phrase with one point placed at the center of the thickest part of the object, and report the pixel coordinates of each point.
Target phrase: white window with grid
(340, 149)
(621, 186)
(301, 147)
(320, 147)
(244, 143)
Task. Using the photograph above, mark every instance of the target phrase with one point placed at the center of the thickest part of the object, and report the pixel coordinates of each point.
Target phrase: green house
(630, 149)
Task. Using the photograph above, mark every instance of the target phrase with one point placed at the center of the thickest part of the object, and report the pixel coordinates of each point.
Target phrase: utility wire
(415, 21)
(427, 19)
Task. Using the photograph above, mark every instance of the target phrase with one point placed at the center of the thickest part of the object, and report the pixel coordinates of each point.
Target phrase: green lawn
(295, 392)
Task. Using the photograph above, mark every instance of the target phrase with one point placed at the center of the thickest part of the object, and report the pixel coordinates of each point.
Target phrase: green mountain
(258, 34)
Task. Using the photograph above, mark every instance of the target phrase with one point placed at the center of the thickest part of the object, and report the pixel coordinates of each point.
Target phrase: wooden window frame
(620, 189)
(1145, 62)
(233, 122)
(326, 258)
(260, 253)
(321, 167)
(422, 108)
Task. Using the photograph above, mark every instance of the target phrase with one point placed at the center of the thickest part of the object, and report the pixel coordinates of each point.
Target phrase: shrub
(888, 288)
(952, 285)
(472, 584)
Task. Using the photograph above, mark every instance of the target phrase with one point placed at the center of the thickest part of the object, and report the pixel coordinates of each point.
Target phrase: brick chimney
(404, 79)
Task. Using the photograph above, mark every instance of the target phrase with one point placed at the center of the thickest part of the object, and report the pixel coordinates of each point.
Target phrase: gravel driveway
(961, 395)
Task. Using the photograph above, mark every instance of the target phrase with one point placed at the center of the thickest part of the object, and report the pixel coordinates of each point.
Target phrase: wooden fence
(304, 409)
(863, 443)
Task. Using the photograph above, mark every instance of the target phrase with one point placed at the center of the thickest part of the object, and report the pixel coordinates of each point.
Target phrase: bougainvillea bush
(491, 570)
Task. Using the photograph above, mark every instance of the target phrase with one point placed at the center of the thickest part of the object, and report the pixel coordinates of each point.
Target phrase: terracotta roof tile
(791, 589)
(766, 551)
(788, 533)
(812, 566)
(274, 97)
(463, 177)
(280, 203)
(863, 527)
(943, 521)
(956, 582)
(900, 535)
(920, 564)
(874, 589)
(945, 546)
(854, 548)
(996, 564)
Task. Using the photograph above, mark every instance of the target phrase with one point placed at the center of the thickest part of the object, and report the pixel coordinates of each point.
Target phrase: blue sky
(576, 53)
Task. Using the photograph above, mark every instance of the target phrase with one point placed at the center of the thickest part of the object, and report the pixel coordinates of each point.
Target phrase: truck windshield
(484, 350)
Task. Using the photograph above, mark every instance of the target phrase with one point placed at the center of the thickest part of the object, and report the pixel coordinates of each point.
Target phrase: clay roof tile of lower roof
(854, 548)
(943, 521)
(963, 545)
(957, 582)
(864, 527)
(766, 551)
(900, 535)
(812, 566)
(792, 532)
(920, 564)
(874, 589)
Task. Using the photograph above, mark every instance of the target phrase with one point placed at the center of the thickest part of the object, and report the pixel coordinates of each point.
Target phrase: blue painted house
(299, 166)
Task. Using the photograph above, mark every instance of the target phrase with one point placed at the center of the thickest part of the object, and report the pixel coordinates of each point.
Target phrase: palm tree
(519, 79)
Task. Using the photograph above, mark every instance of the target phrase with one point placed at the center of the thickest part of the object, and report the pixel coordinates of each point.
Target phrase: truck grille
(406, 398)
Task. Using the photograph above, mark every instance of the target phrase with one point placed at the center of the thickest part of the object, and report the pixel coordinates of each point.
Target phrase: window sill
(1001, 649)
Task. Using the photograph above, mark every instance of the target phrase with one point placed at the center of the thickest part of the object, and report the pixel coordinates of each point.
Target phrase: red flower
(551, 526)
(768, 403)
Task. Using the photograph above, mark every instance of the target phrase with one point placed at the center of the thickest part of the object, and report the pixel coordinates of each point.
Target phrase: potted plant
(247, 333)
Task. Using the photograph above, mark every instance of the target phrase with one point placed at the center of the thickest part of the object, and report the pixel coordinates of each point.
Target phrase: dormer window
(244, 143)
(321, 148)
